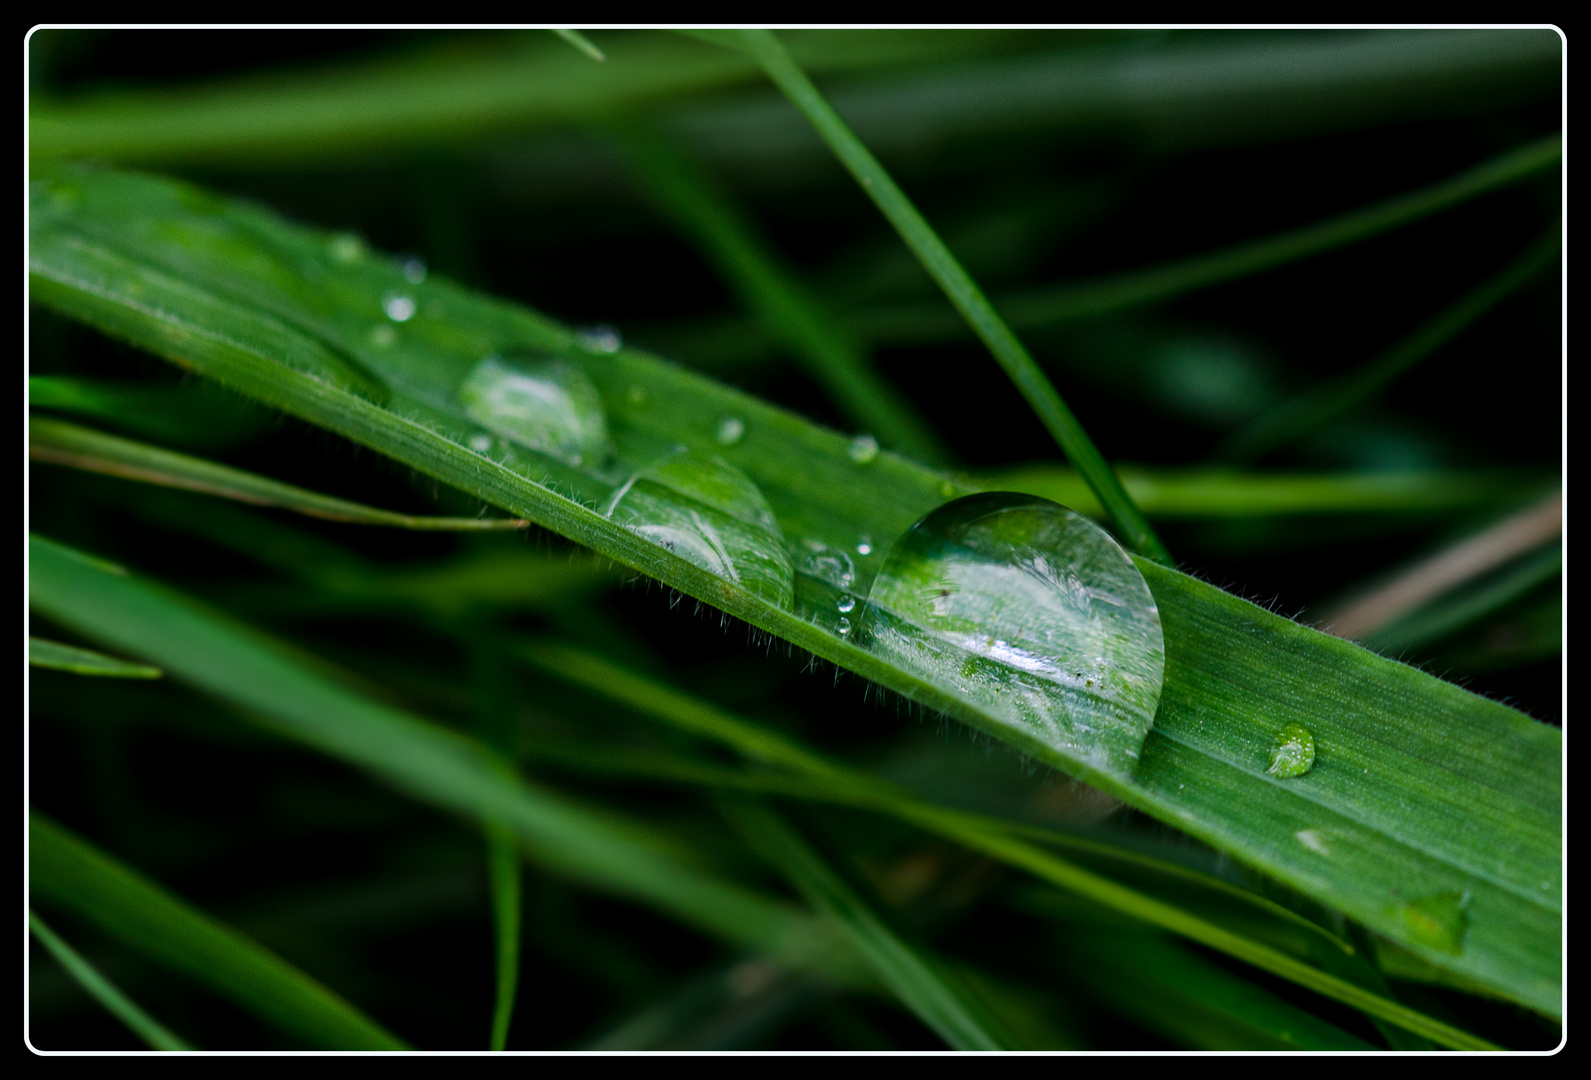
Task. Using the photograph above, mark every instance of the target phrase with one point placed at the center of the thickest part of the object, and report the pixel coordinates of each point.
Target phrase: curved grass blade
(770, 290)
(68, 872)
(236, 664)
(53, 654)
(922, 985)
(1403, 757)
(1057, 304)
(963, 292)
(1296, 418)
(61, 443)
(102, 990)
(581, 42)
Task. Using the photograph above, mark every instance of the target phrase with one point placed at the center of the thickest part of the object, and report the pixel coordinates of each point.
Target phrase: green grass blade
(192, 415)
(53, 654)
(61, 443)
(232, 662)
(790, 310)
(67, 872)
(1214, 493)
(963, 292)
(1296, 418)
(502, 857)
(581, 42)
(104, 991)
(1052, 306)
(1375, 823)
(921, 984)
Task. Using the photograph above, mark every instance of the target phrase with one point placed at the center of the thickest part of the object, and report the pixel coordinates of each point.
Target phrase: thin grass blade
(581, 42)
(53, 654)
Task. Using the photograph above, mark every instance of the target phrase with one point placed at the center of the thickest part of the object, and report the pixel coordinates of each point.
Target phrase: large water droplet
(1292, 752)
(1031, 614)
(1439, 921)
(863, 448)
(709, 512)
(545, 403)
(601, 339)
(730, 430)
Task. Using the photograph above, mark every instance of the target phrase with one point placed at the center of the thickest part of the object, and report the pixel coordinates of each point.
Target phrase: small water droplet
(863, 448)
(480, 443)
(828, 564)
(601, 338)
(1312, 840)
(1181, 786)
(383, 336)
(412, 269)
(346, 248)
(864, 546)
(1293, 752)
(543, 402)
(1001, 600)
(846, 604)
(1438, 921)
(399, 308)
(636, 396)
(843, 627)
(730, 430)
(946, 488)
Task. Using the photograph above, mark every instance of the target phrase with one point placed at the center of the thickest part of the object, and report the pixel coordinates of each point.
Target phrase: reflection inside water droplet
(399, 308)
(1293, 752)
(729, 430)
(1031, 614)
(863, 448)
(709, 512)
(600, 339)
(545, 403)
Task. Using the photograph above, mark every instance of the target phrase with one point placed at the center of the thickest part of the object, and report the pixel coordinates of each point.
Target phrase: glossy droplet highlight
(864, 546)
(545, 403)
(600, 339)
(399, 308)
(863, 448)
(1030, 614)
(827, 563)
(705, 510)
(846, 604)
(730, 430)
(1438, 921)
(1292, 752)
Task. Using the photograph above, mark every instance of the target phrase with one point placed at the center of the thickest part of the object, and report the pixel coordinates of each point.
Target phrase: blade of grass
(581, 42)
(503, 867)
(102, 990)
(68, 872)
(963, 292)
(195, 416)
(751, 268)
(1057, 304)
(53, 654)
(1294, 419)
(921, 983)
(993, 838)
(1453, 613)
(61, 443)
(1426, 790)
(241, 666)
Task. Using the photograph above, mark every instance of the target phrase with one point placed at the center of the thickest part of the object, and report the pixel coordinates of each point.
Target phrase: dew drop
(827, 563)
(346, 248)
(383, 336)
(399, 308)
(846, 604)
(1292, 752)
(864, 546)
(708, 512)
(843, 627)
(601, 339)
(863, 448)
(546, 403)
(412, 269)
(1438, 921)
(636, 396)
(1002, 599)
(480, 443)
(730, 430)
(947, 489)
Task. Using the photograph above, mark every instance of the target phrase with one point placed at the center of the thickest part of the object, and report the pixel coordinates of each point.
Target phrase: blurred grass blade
(581, 42)
(963, 292)
(104, 991)
(53, 654)
(990, 837)
(921, 984)
(193, 415)
(1056, 304)
(1420, 789)
(503, 868)
(61, 443)
(1294, 419)
(67, 872)
(250, 670)
(1216, 493)
(771, 291)
(1451, 614)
